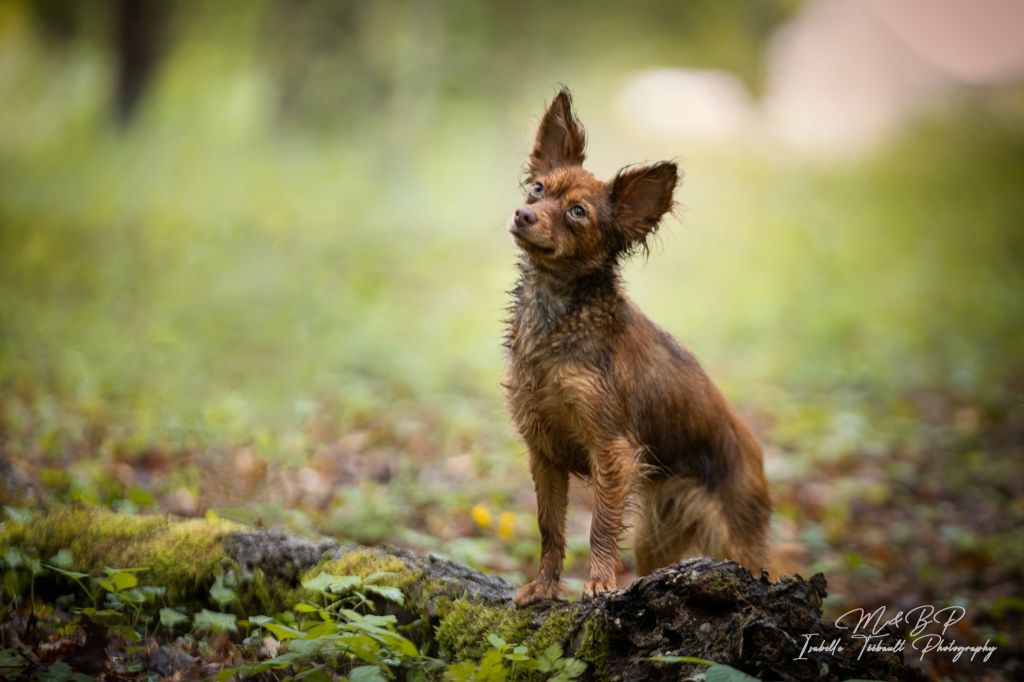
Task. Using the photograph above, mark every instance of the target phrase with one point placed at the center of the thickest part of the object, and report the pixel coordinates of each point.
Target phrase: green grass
(189, 285)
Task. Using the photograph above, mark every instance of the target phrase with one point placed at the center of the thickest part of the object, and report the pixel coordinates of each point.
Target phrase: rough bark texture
(700, 607)
(277, 553)
(716, 610)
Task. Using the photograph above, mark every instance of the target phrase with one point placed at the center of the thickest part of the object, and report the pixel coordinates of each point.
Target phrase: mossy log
(700, 607)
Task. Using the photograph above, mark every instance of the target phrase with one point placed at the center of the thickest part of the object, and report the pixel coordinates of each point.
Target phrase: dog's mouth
(525, 244)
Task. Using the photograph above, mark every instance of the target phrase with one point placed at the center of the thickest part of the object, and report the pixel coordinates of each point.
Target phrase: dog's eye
(537, 189)
(578, 212)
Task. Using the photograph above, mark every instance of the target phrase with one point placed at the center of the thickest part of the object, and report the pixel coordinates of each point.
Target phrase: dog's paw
(595, 586)
(535, 591)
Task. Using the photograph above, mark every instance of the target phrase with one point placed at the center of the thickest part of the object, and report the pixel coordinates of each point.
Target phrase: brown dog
(597, 390)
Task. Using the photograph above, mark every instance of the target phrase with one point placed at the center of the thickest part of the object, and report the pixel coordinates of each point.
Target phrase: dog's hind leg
(679, 517)
(669, 511)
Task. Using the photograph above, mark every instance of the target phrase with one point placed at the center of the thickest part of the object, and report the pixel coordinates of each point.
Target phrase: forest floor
(931, 521)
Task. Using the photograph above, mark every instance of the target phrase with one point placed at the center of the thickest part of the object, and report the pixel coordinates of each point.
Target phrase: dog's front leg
(613, 469)
(552, 485)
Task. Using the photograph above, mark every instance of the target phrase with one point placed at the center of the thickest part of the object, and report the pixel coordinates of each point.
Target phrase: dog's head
(572, 221)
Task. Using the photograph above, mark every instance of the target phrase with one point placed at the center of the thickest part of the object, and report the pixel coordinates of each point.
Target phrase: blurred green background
(253, 260)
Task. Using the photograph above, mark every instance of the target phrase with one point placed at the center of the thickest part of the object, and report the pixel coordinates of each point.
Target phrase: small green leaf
(317, 674)
(374, 577)
(399, 644)
(222, 594)
(282, 661)
(726, 673)
(17, 514)
(112, 614)
(491, 668)
(368, 619)
(133, 596)
(335, 584)
(215, 622)
(63, 558)
(496, 641)
(306, 608)
(259, 620)
(74, 575)
(569, 669)
(13, 558)
(56, 672)
(307, 648)
(121, 581)
(390, 593)
(693, 660)
(170, 618)
(324, 629)
(11, 659)
(126, 632)
(367, 673)
(363, 647)
(283, 632)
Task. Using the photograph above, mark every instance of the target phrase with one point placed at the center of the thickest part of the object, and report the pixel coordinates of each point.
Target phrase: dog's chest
(552, 380)
(545, 402)
(544, 382)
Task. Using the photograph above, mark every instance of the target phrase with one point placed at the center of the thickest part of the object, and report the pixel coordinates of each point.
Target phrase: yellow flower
(506, 524)
(481, 516)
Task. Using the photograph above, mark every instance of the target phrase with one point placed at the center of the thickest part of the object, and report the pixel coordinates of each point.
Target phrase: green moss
(364, 562)
(555, 630)
(464, 626)
(721, 585)
(181, 554)
(593, 646)
(257, 593)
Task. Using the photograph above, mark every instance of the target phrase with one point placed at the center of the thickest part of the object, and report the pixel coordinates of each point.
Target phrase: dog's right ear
(561, 140)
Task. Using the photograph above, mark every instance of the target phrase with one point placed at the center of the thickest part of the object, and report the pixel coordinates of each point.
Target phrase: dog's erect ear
(640, 196)
(561, 140)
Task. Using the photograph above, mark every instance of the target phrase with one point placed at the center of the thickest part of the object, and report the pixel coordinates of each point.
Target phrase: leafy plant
(716, 672)
(506, 659)
(117, 602)
(337, 630)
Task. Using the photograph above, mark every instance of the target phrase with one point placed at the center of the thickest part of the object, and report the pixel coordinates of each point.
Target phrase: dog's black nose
(525, 216)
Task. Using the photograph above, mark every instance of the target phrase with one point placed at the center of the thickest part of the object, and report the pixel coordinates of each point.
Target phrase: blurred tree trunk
(140, 28)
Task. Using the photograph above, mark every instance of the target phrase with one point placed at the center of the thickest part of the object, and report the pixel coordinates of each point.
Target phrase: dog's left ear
(561, 140)
(641, 195)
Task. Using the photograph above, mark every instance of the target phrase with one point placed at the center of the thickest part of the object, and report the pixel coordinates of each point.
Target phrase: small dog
(597, 390)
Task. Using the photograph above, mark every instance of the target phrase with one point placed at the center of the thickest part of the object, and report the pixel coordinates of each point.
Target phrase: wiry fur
(597, 390)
